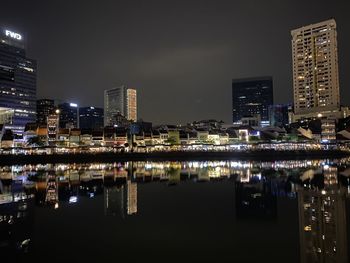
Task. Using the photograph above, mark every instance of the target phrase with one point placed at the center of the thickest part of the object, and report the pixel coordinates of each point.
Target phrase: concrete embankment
(263, 155)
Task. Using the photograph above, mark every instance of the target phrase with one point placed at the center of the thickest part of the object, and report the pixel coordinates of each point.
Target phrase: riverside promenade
(258, 155)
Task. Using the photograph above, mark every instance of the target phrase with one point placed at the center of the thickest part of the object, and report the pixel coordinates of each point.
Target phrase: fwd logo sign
(14, 35)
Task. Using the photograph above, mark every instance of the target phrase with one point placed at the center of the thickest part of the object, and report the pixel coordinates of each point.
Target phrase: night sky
(181, 56)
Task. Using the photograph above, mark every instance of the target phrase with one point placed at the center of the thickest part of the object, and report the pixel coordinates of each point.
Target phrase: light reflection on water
(319, 187)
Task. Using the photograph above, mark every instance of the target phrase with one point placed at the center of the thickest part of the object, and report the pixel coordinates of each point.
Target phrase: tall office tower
(252, 96)
(315, 68)
(44, 108)
(90, 118)
(17, 83)
(131, 105)
(68, 115)
(120, 99)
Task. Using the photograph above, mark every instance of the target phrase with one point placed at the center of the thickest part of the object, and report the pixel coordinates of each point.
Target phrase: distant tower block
(315, 68)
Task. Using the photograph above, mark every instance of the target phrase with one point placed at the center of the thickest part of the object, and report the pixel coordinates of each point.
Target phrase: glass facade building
(121, 99)
(278, 114)
(251, 96)
(90, 118)
(44, 108)
(17, 83)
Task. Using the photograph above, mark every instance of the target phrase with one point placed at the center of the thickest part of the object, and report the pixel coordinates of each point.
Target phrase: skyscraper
(68, 115)
(90, 118)
(251, 96)
(121, 99)
(44, 108)
(315, 68)
(17, 82)
(131, 104)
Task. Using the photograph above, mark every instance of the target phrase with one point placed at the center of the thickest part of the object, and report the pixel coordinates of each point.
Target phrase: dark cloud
(180, 55)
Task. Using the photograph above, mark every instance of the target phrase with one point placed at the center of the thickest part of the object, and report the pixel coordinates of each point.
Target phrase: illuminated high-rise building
(44, 108)
(17, 82)
(68, 115)
(90, 118)
(252, 97)
(131, 105)
(315, 69)
(120, 99)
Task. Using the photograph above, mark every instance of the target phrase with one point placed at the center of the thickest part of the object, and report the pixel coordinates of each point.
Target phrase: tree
(171, 140)
(35, 141)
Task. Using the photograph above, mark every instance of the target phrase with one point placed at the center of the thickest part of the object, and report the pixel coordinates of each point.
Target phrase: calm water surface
(286, 211)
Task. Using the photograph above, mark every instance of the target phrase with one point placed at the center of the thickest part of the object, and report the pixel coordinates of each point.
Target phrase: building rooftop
(241, 80)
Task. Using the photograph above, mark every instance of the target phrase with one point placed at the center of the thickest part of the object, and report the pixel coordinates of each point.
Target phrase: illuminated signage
(73, 105)
(14, 35)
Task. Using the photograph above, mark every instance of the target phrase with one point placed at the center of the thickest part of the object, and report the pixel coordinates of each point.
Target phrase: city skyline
(174, 130)
(199, 62)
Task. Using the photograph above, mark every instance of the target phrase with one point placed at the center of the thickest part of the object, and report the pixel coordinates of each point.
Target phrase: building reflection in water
(51, 196)
(258, 185)
(132, 198)
(322, 220)
(16, 215)
(254, 198)
(121, 199)
(114, 200)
